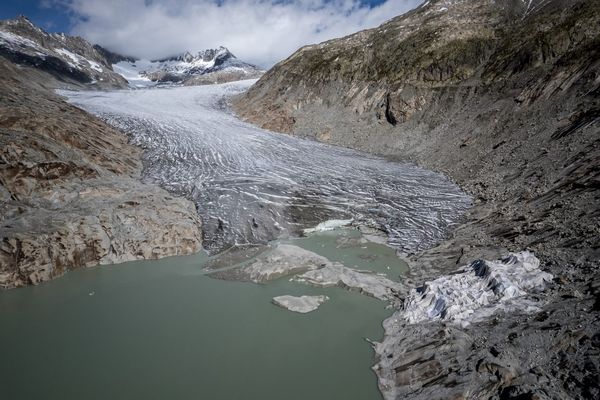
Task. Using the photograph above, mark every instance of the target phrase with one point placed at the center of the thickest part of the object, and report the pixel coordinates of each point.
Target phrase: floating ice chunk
(302, 304)
(364, 281)
(329, 225)
(479, 290)
(283, 260)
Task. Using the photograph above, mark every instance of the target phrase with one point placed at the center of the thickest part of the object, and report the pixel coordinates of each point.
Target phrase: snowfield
(251, 185)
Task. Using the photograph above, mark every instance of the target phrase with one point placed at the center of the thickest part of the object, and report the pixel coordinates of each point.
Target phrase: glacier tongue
(252, 186)
(478, 290)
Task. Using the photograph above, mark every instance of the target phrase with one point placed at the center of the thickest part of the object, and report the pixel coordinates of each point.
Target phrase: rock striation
(70, 194)
(503, 97)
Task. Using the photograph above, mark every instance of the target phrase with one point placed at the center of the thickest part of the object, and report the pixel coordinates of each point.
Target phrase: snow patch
(13, 40)
(94, 65)
(134, 72)
(72, 56)
(78, 61)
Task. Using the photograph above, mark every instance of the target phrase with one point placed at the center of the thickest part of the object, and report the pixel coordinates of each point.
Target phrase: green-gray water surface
(164, 330)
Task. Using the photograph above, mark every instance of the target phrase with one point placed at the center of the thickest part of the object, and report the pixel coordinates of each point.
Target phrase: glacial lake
(164, 330)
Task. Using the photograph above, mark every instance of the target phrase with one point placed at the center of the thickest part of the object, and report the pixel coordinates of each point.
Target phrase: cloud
(258, 31)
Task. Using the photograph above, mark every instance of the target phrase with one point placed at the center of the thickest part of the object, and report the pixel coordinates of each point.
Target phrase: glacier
(252, 186)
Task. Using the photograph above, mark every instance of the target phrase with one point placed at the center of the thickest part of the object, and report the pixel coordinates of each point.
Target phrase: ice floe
(301, 304)
(366, 282)
(283, 260)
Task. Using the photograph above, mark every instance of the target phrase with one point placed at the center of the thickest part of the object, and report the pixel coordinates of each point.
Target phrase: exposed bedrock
(503, 97)
(70, 194)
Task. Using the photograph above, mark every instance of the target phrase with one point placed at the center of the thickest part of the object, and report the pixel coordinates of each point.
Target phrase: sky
(262, 32)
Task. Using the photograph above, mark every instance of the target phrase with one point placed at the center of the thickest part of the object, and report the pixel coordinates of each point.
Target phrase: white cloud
(257, 31)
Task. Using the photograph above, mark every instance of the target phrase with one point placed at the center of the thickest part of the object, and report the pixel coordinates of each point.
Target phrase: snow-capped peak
(188, 63)
(184, 66)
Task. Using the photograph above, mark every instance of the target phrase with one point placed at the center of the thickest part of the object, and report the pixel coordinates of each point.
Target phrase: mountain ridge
(70, 60)
(75, 63)
(189, 69)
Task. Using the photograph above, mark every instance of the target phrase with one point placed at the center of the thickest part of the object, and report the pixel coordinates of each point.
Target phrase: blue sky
(258, 31)
(54, 19)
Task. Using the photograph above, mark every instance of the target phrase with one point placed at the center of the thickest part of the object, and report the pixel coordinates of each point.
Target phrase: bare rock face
(502, 96)
(69, 191)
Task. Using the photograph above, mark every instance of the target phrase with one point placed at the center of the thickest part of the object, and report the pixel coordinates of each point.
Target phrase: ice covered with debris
(283, 260)
(301, 304)
(478, 290)
(366, 282)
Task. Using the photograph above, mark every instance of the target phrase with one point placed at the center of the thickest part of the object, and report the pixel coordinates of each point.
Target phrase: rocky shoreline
(503, 97)
(70, 190)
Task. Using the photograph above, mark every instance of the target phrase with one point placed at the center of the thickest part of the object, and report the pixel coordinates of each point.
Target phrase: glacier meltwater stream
(164, 329)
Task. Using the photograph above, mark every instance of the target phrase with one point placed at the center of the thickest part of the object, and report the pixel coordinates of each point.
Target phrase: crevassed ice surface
(250, 185)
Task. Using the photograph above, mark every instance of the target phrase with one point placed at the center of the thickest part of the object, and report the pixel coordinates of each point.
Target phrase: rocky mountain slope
(70, 194)
(70, 61)
(504, 97)
(205, 67)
